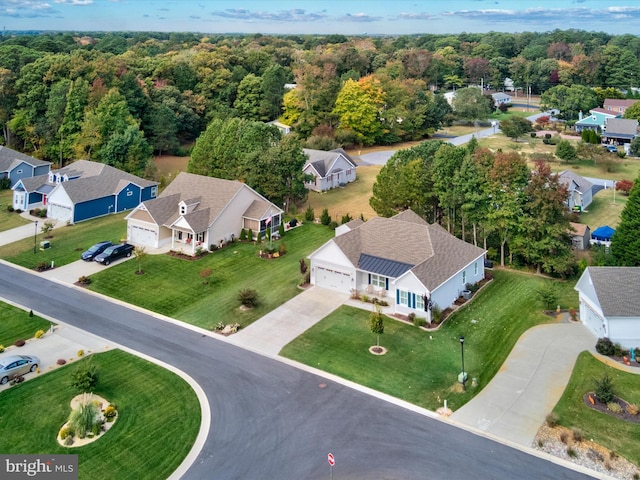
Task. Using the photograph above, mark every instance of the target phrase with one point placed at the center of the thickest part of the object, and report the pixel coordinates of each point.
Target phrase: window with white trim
(419, 302)
(154, 191)
(129, 193)
(403, 297)
(378, 281)
(464, 276)
(200, 237)
(475, 268)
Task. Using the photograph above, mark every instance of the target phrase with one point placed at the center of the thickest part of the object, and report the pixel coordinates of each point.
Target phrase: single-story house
(16, 166)
(618, 105)
(499, 98)
(83, 190)
(610, 304)
(331, 169)
(580, 190)
(284, 128)
(580, 236)
(602, 236)
(595, 120)
(618, 131)
(409, 262)
(198, 211)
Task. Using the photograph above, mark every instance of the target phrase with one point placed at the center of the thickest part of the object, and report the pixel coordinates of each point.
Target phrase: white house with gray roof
(83, 190)
(198, 211)
(329, 170)
(403, 258)
(580, 190)
(610, 303)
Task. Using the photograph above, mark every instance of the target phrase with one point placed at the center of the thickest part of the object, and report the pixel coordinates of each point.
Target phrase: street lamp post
(35, 238)
(464, 376)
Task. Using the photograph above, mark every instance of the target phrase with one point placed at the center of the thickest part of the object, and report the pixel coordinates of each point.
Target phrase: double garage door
(143, 236)
(593, 321)
(333, 279)
(62, 213)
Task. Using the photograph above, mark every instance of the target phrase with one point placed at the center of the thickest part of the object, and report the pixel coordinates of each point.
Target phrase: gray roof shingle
(10, 158)
(567, 177)
(618, 290)
(432, 253)
(322, 160)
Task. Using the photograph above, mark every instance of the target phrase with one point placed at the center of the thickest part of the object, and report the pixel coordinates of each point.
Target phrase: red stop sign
(331, 459)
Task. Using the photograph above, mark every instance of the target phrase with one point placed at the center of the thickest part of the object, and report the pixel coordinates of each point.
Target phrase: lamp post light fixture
(35, 239)
(463, 375)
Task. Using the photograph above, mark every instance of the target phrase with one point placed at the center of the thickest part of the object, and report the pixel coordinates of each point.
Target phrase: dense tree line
(60, 93)
(491, 199)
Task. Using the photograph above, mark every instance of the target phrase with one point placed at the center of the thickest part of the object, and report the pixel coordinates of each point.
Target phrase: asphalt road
(271, 420)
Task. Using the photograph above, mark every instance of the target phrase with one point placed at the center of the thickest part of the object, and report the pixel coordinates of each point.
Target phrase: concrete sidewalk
(517, 400)
(276, 329)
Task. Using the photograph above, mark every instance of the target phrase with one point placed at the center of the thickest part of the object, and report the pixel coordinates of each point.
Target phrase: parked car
(16, 365)
(114, 252)
(95, 250)
(611, 148)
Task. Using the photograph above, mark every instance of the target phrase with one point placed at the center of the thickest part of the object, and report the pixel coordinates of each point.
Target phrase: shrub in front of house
(604, 346)
(243, 234)
(325, 218)
(333, 225)
(19, 343)
(83, 280)
(309, 214)
(250, 235)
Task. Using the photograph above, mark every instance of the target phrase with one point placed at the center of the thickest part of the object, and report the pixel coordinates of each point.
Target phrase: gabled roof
(212, 195)
(603, 233)
(578, 229)
(623, 127)
(96, 180)
(500, 96)
(322, 161)
(567, 177)
(617, 290)
(615, 102)
(393, 246)
(10, 158)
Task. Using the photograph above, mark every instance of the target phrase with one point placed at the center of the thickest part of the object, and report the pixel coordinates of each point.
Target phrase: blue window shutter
(413, 300)
(369, 279)
(386, 283)
(397, 296)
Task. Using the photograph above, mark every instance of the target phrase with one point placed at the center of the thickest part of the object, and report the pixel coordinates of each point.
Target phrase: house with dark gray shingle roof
(329, 169)
(610, 303)
(411, 263)
(618, 131)
(83, 190)
(580, 190)
(16, 166)
(198, 211)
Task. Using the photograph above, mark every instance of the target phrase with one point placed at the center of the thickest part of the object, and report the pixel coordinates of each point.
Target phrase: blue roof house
(602, 236)
(16, 166)
(83, 190)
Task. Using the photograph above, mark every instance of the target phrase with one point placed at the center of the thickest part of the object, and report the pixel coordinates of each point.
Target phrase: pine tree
(625, 244)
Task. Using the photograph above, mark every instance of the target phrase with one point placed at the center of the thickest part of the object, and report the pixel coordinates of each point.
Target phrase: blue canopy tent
(603, 234)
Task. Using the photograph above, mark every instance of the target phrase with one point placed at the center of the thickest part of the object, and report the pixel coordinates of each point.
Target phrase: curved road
(271, 420)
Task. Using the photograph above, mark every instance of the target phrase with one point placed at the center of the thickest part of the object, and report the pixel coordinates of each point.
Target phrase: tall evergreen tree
(625, 244)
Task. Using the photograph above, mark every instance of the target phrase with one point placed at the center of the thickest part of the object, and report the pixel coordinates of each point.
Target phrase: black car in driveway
(114, 252)
(95, 250)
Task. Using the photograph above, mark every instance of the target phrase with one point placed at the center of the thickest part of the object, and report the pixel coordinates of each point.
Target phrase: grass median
(420, 366)
(159, 418)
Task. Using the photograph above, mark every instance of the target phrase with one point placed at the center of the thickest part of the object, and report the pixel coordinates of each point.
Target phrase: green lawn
(173, 286)
(617, 435)
(67, 243)
(422, 367)
(8, 219)
(159, 418)
(16, 324)
(603, 211)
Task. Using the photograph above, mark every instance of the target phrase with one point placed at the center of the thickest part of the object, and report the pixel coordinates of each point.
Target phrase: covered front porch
(188, 241)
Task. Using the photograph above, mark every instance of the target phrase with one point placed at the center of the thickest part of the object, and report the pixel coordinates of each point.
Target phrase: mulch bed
(184, 256)
(602, 407)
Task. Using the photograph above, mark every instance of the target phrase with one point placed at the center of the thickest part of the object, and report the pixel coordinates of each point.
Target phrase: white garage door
(59, 212)
(142, 236)
(593, 322)
(333, 279)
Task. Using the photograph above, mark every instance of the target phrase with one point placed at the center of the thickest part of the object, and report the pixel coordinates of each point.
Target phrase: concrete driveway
(276, 329)
(529, 384)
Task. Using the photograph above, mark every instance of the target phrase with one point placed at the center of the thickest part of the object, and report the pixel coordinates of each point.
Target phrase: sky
(349, 17)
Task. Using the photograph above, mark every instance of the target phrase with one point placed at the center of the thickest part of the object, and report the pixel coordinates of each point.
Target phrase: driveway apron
(276, 329)
(516, 402)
